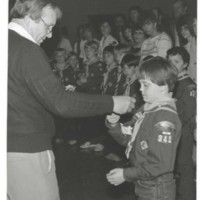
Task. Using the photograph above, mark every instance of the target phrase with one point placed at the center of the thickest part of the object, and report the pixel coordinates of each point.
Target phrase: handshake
(123, 104)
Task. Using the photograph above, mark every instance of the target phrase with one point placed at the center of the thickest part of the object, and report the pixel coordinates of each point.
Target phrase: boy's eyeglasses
(48, 26)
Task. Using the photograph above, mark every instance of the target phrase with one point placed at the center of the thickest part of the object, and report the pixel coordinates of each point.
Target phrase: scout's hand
(123, 104)
(113, 118)
(116, 176)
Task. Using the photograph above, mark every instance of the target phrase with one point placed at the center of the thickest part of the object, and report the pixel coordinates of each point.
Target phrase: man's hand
(123, 104)
(116, 176)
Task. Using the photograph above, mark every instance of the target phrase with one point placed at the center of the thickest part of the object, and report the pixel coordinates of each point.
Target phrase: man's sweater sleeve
(49, 91)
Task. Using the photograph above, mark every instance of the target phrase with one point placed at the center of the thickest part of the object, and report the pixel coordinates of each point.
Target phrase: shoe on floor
(72, 142)
(114, 157)
(87, 145)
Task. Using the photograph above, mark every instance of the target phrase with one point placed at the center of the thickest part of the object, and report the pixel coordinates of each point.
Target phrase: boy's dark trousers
(184, 166)
(160, 188)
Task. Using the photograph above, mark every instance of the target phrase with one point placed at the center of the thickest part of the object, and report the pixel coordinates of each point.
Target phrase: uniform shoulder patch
(165, 126)
(192, 90)
(166, 131)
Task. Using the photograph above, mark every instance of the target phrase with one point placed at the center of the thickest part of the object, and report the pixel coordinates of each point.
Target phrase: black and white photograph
(101, 100)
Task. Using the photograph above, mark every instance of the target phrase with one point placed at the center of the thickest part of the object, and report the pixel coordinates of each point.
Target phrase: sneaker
(113, 157)
(72, 142)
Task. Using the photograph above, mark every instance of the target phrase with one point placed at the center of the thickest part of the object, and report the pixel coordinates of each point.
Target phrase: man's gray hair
(33, 8)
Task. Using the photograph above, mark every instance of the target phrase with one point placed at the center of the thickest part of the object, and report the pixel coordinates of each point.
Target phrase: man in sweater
(34, 92)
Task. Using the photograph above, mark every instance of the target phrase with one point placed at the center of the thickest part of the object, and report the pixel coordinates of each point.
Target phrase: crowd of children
(152, 57)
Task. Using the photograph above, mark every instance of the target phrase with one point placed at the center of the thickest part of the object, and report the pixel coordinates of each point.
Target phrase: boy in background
(129, 64)
(185, 93)
(90, 81)
(151, 136)
(61, 62)
(119, 52)
(73, 72)
(110, 77)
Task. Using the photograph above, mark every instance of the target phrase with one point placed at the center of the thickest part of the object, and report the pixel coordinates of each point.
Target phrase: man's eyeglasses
(48, 26)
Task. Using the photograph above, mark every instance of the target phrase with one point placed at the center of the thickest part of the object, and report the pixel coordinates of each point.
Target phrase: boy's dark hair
(93, 44)
(160, 72)
(130, 60)
(122, 48)
(179, 51)
(108, 49)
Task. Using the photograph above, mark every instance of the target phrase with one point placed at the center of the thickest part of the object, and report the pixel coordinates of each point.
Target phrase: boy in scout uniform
(151, 136)
(185, 93)
(110, 77)
(94, 69)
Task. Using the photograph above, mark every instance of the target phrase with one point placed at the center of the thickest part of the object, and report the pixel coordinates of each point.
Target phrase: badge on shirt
(192, 89)
(166, 130)
(193, 93)
(144, 145)
(165, 139)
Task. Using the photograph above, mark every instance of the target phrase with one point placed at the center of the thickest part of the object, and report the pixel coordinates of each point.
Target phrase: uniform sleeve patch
(144, 145)
(165, 127)
(166, 130)
(193, 93)
(165, 139)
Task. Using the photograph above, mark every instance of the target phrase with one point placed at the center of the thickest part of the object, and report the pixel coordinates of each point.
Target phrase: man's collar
(21, 31)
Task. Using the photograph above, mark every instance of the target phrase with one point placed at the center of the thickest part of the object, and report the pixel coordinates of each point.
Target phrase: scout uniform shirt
(185, 93)
(70, 76)
(133, 90)
(94, 73)
(110, 80)
(151, 138)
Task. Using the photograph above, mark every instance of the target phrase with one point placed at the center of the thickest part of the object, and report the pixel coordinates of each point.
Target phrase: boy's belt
(159, 179)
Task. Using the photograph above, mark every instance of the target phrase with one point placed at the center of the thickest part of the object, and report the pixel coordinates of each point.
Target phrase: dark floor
(82, 175)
